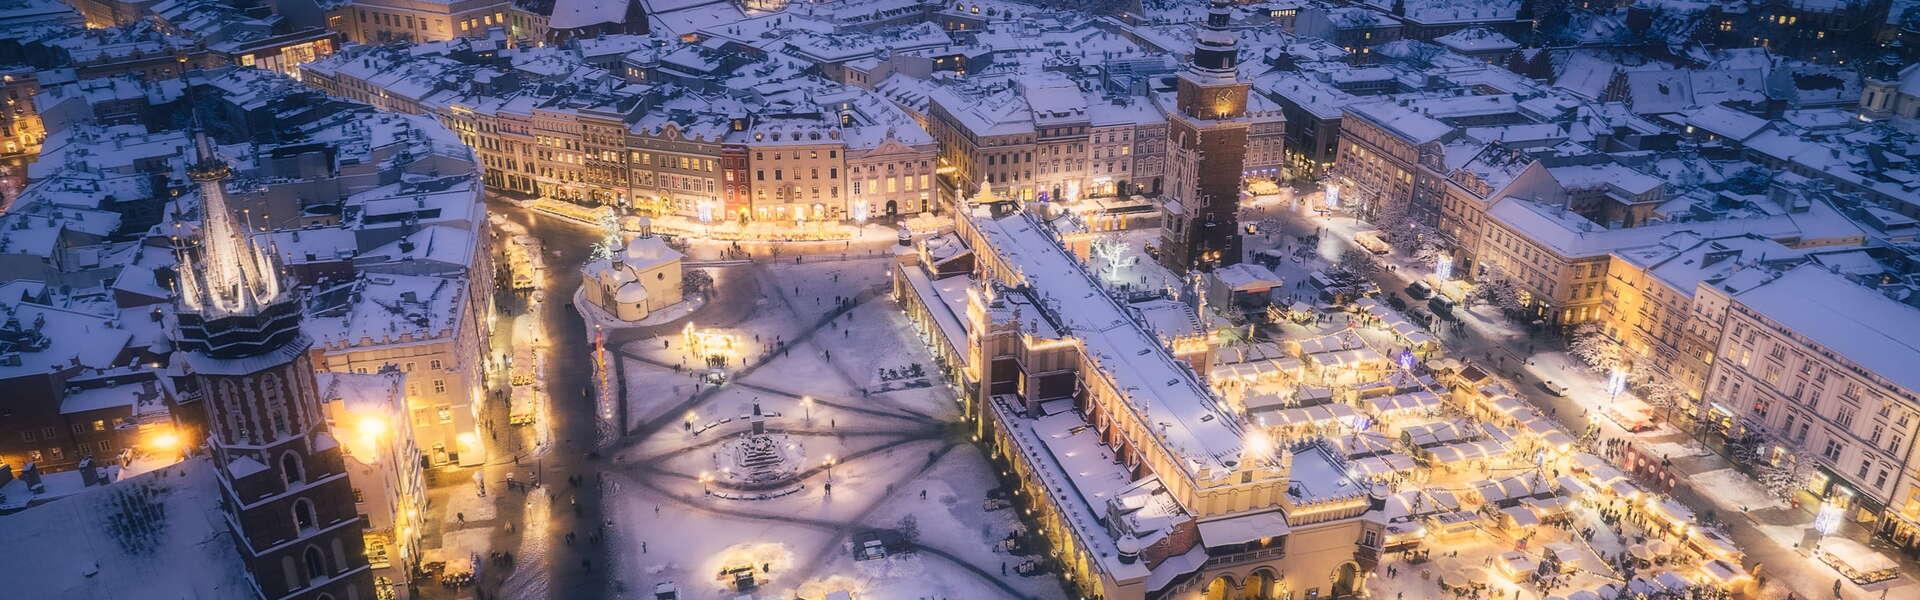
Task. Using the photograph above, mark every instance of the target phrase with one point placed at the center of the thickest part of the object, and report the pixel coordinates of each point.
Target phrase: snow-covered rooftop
(1162, 390)
(1853, 321)
(157, 535)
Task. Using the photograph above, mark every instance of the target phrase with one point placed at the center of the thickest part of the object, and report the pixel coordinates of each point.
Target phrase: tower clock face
(1222, 101)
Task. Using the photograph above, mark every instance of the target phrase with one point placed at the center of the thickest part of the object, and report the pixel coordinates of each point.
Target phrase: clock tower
(1207, 129)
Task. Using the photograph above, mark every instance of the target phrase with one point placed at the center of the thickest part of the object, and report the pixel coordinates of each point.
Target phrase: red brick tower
(285, 488)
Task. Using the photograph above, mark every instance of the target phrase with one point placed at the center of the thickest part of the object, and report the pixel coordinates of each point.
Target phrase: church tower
(283, 481)
(1207, 129)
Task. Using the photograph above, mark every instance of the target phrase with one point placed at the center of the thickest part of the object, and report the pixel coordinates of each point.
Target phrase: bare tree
(909, 529)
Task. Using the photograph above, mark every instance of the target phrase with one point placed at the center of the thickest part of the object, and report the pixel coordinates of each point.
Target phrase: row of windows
(811, 154)
(100, 448)
(780, 174)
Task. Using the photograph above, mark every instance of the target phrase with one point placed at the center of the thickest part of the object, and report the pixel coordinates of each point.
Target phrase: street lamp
(371, 425)
(704, 478)
(830, 462)
(165, 442)
(806, 403)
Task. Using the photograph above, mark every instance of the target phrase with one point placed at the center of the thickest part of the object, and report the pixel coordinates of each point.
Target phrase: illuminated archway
(1221, 588)
(1262, 585)
(1346, 580)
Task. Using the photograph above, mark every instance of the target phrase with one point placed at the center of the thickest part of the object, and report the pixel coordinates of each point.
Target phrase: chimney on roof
(31, 475)
(89, 473)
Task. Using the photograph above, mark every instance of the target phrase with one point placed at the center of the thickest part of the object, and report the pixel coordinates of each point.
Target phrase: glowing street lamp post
(806, 403)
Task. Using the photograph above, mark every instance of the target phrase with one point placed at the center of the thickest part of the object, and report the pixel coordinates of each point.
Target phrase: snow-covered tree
(695, 281)
(1590, 344)
(1498, 291)
(1358, 262)
(1745, 450)
(1786, 478)
(1659, 391)
(1270, 226)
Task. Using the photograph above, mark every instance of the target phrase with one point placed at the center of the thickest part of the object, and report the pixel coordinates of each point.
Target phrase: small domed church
(638, 275)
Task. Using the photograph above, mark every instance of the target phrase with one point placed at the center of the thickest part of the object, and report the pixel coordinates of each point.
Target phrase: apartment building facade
(890, 174)
(1819, 367)
(1389, 160)
(798, 172)
(381, 21)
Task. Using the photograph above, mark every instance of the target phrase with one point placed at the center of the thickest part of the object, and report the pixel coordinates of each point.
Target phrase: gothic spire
(230, 274)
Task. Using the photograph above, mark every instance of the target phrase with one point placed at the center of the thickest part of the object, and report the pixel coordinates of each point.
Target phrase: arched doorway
(1261, 585)
(1221, 588)
(1346, 580)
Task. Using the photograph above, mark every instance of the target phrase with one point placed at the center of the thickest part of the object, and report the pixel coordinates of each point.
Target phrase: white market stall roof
(1326, 343)
(1520, 516)
(1507, 405)
(1855, 555)
(1248, 277)
(1464, 451)
(1414, 335)
(1510, 488)
(1385, 464)
(1418, 400)
(1557, 439)
(1435, 434)
(1316, 415)
(1254, 369)
(1362, 444)
(1355, 358)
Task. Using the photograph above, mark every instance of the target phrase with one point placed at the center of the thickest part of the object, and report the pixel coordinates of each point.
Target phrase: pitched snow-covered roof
(1853, 321)
(157, 535)
(573, 14)
(1189, 424)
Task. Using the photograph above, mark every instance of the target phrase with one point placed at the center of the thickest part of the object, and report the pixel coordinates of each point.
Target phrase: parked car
(1554, 388)
(1418, 291)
